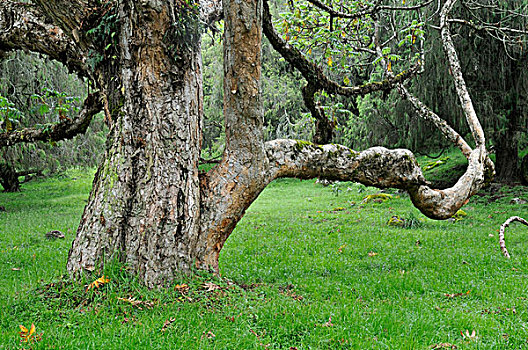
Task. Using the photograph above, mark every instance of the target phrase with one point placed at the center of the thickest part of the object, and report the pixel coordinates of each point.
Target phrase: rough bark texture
(144, 206)
(25, 26)
(235, 183)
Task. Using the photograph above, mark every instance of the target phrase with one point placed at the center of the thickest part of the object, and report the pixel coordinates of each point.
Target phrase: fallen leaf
(98, 283)
(15, 269)
(137, 303)
(443, 346)
(469, 337)
(454, 295)
(210, 286)
(209, 335)
(328, 323)
(371, 254)
(167, 323)
(182, 288)
(29, 335)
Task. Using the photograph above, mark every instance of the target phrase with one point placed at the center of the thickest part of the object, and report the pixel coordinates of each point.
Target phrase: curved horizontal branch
(24, 27)
(61, 131)
(507, 223)
(315, 75)
(377, 166)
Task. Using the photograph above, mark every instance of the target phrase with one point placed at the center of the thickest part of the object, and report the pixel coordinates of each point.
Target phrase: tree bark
(144, 205)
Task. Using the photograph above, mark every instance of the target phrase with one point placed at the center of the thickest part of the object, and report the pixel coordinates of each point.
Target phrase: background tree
(149, 206)
(41, 93)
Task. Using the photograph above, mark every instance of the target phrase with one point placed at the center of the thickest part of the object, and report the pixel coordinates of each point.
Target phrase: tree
(491, 37)
(150, 206)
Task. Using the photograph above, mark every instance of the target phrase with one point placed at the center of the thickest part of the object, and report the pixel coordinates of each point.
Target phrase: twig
(501, 233)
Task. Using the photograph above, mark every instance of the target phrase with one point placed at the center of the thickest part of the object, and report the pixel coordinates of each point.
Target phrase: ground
(307, 267)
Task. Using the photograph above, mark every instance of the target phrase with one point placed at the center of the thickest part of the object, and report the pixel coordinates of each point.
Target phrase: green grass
(304, 269)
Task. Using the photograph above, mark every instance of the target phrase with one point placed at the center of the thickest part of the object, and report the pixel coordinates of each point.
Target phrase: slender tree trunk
(507, 158)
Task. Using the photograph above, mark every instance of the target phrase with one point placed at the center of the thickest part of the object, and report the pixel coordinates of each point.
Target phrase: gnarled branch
(507, 223)
(61, 131)
(24, 27)
(377, 166)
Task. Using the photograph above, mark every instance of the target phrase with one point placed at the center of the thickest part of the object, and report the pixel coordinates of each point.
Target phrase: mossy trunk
(144, 205)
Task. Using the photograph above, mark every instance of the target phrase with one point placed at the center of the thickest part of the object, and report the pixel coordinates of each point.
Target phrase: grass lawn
(309, 267)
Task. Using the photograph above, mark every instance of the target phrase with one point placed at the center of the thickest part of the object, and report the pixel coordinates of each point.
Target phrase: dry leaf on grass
(182, 288)
(454, 295)
(27, 336)
(167, 324)
(443, 346)
(137, 303)
(98, 283)
(469, 337)
(210, 286)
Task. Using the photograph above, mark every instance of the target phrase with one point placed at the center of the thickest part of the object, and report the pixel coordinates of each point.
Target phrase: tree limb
(460, 83)
(61, 131)
(24, 27)
(315, 75)
(378, 167)
(372, 10)
(507, 223)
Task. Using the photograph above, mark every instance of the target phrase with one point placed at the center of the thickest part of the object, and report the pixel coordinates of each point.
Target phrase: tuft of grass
(304, 269)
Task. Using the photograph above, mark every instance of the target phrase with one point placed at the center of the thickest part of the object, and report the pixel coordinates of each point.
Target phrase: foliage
(36, 92)
(103, 34)
(185, 32)
(312, 277)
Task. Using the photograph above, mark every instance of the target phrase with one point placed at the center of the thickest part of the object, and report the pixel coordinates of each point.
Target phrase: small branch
(507, 223)
(315, 75)
(370, 11)
(210, 161)
(61, 131)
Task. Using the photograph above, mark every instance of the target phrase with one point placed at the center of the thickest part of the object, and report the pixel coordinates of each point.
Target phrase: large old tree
(150, 206)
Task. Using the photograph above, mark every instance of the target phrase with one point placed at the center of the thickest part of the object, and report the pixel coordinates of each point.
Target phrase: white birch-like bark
(502, 242)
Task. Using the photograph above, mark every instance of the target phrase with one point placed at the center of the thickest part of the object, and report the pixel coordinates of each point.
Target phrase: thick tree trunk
(144, 205)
